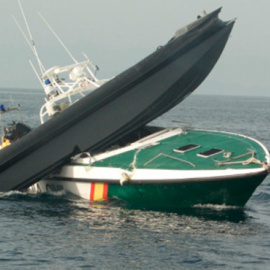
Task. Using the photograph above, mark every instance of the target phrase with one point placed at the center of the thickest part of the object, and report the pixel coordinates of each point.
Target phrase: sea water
(62, 232)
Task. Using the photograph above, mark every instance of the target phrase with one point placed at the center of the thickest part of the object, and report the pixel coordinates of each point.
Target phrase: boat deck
(223, 151)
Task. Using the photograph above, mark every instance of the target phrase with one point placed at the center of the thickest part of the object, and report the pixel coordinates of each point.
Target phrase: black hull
(124, 104)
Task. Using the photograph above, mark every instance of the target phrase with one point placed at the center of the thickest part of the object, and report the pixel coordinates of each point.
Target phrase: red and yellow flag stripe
(98, 192)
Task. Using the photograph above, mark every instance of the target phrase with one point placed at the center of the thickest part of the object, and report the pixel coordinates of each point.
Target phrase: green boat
(167, 169)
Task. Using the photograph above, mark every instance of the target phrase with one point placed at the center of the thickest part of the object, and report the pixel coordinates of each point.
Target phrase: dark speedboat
(11, 130)
(120, 106)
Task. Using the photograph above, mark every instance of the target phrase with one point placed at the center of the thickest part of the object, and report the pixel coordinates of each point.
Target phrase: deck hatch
(185, 148)
(210, 152)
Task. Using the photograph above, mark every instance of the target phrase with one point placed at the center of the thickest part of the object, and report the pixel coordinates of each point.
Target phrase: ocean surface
(61, 232)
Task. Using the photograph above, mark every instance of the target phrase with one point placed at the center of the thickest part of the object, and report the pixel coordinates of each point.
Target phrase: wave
(261, 197)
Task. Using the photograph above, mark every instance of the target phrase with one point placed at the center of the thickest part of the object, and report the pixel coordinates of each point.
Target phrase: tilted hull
(124, 104)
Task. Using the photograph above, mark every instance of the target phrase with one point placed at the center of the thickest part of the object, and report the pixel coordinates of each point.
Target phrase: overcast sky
(116, 34)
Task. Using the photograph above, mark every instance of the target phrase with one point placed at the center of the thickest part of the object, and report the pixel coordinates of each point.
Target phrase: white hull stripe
(156, 176)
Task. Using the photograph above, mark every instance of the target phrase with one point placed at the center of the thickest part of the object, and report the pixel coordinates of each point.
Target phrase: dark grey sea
(58, 232)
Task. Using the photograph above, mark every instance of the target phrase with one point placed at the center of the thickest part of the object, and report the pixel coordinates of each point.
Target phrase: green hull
(155, 172)
(233, 192)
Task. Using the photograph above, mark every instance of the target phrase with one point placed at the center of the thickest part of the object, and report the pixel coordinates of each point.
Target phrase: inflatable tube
(122, 105)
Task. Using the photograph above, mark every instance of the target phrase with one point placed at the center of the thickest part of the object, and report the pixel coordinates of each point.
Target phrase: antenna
(26, 39)
(16, 108)
(89, 70)
(22, 32)
(41, 67)
(58, 38)
(35, 71)
(11, 100)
